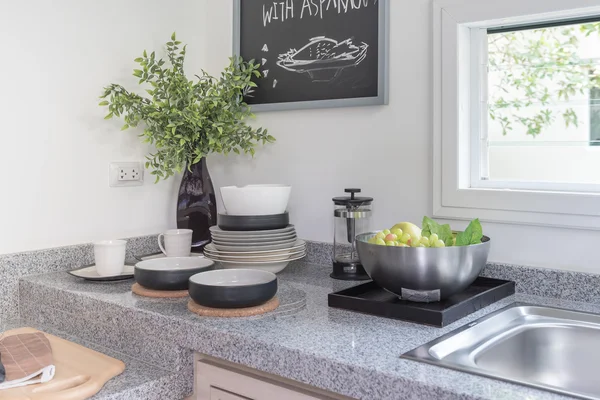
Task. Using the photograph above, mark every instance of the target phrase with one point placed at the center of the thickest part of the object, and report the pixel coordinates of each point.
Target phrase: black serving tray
(369, 298)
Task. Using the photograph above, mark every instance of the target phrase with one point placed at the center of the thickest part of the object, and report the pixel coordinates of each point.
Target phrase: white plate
(281, 257)
(258, 238)
(253, 240)
(274, 266)
(217, 230)
(300, 244)
(246, 237)
(256, 244)
(90, 273)
(276, 253)
(162, 255)
(254, 247)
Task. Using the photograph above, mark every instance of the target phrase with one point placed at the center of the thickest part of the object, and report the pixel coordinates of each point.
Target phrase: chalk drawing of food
(323, 59)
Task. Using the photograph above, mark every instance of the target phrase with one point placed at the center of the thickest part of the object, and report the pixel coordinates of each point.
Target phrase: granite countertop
(344, 352)
(139, 380)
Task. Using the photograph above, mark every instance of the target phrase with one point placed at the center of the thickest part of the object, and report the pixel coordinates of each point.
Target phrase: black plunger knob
(352, 191)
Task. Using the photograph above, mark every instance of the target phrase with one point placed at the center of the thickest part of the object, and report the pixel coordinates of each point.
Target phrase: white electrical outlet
(126, 174)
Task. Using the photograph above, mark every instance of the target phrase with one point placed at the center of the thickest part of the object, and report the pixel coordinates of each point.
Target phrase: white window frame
(459, 54)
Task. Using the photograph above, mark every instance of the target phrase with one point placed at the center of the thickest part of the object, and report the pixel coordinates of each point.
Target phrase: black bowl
(233, 288)
(170, 273)
(253, 222)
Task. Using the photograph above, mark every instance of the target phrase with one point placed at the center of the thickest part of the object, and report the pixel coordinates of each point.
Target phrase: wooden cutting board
(80, 372)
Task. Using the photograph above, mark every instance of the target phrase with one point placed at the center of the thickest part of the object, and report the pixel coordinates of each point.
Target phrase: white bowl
(256, 199)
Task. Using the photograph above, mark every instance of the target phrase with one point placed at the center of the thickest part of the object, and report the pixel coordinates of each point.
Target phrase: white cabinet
(218, 394)
(220, 380)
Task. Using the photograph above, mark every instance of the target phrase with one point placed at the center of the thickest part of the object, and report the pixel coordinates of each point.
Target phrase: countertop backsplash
(569, 285)
(16, 265)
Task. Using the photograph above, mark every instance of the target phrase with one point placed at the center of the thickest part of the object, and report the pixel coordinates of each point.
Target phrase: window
(595, 115)
(542, 83)
(517, 111)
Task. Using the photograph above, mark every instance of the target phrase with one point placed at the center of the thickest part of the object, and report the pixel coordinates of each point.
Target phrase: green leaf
(103, 103)
(185, 119)
(471, 235)
(444, 232)
(173, 36)
(125, 127)
(109, 116)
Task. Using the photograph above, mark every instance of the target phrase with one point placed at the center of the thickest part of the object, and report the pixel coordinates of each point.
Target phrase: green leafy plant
(444, 232)
(528, 63)
(187, 119)
(471, 235)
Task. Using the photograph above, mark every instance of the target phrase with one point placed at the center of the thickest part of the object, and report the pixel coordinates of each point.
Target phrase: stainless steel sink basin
(544, 347)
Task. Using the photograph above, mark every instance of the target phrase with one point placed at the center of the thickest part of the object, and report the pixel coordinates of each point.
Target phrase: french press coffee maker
(352, 216)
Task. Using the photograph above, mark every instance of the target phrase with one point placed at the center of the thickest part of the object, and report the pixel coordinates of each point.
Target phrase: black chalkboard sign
(314, 53)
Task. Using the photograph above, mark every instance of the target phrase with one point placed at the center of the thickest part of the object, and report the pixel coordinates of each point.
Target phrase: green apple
(410, 228)
(380, 242)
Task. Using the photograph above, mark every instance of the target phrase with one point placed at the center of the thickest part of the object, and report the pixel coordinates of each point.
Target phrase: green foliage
(531, 61)
(444, 232)
(187, 119)
(471, 235)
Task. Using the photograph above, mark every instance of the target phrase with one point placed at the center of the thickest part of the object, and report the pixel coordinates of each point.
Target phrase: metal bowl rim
(484, 242)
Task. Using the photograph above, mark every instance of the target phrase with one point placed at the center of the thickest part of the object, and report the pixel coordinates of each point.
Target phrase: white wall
(58, 55)
(384, 150)
(55, 146)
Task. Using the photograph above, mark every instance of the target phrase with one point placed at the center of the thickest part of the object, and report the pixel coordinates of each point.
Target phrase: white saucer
(89, 273)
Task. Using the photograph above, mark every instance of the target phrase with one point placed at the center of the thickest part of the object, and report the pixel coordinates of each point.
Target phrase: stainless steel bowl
(422, 274)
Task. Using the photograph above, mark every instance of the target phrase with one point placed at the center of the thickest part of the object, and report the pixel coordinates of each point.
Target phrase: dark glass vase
(197, 204)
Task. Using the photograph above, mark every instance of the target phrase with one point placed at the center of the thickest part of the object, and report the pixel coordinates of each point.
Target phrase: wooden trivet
(158, 294)
(233, 312)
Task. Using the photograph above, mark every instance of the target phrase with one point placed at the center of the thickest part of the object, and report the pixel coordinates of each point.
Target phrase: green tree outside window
(527, 63)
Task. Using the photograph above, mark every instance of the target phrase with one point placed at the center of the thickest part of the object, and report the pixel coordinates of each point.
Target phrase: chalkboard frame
(382, 97)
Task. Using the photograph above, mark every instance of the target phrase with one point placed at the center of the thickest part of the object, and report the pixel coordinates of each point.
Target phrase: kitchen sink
(545, 347)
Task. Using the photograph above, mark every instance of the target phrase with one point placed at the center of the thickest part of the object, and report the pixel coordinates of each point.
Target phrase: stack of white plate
(269, 250)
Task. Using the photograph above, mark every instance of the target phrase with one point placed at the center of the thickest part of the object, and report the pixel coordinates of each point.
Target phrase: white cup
(178, 242)
(110, 257)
